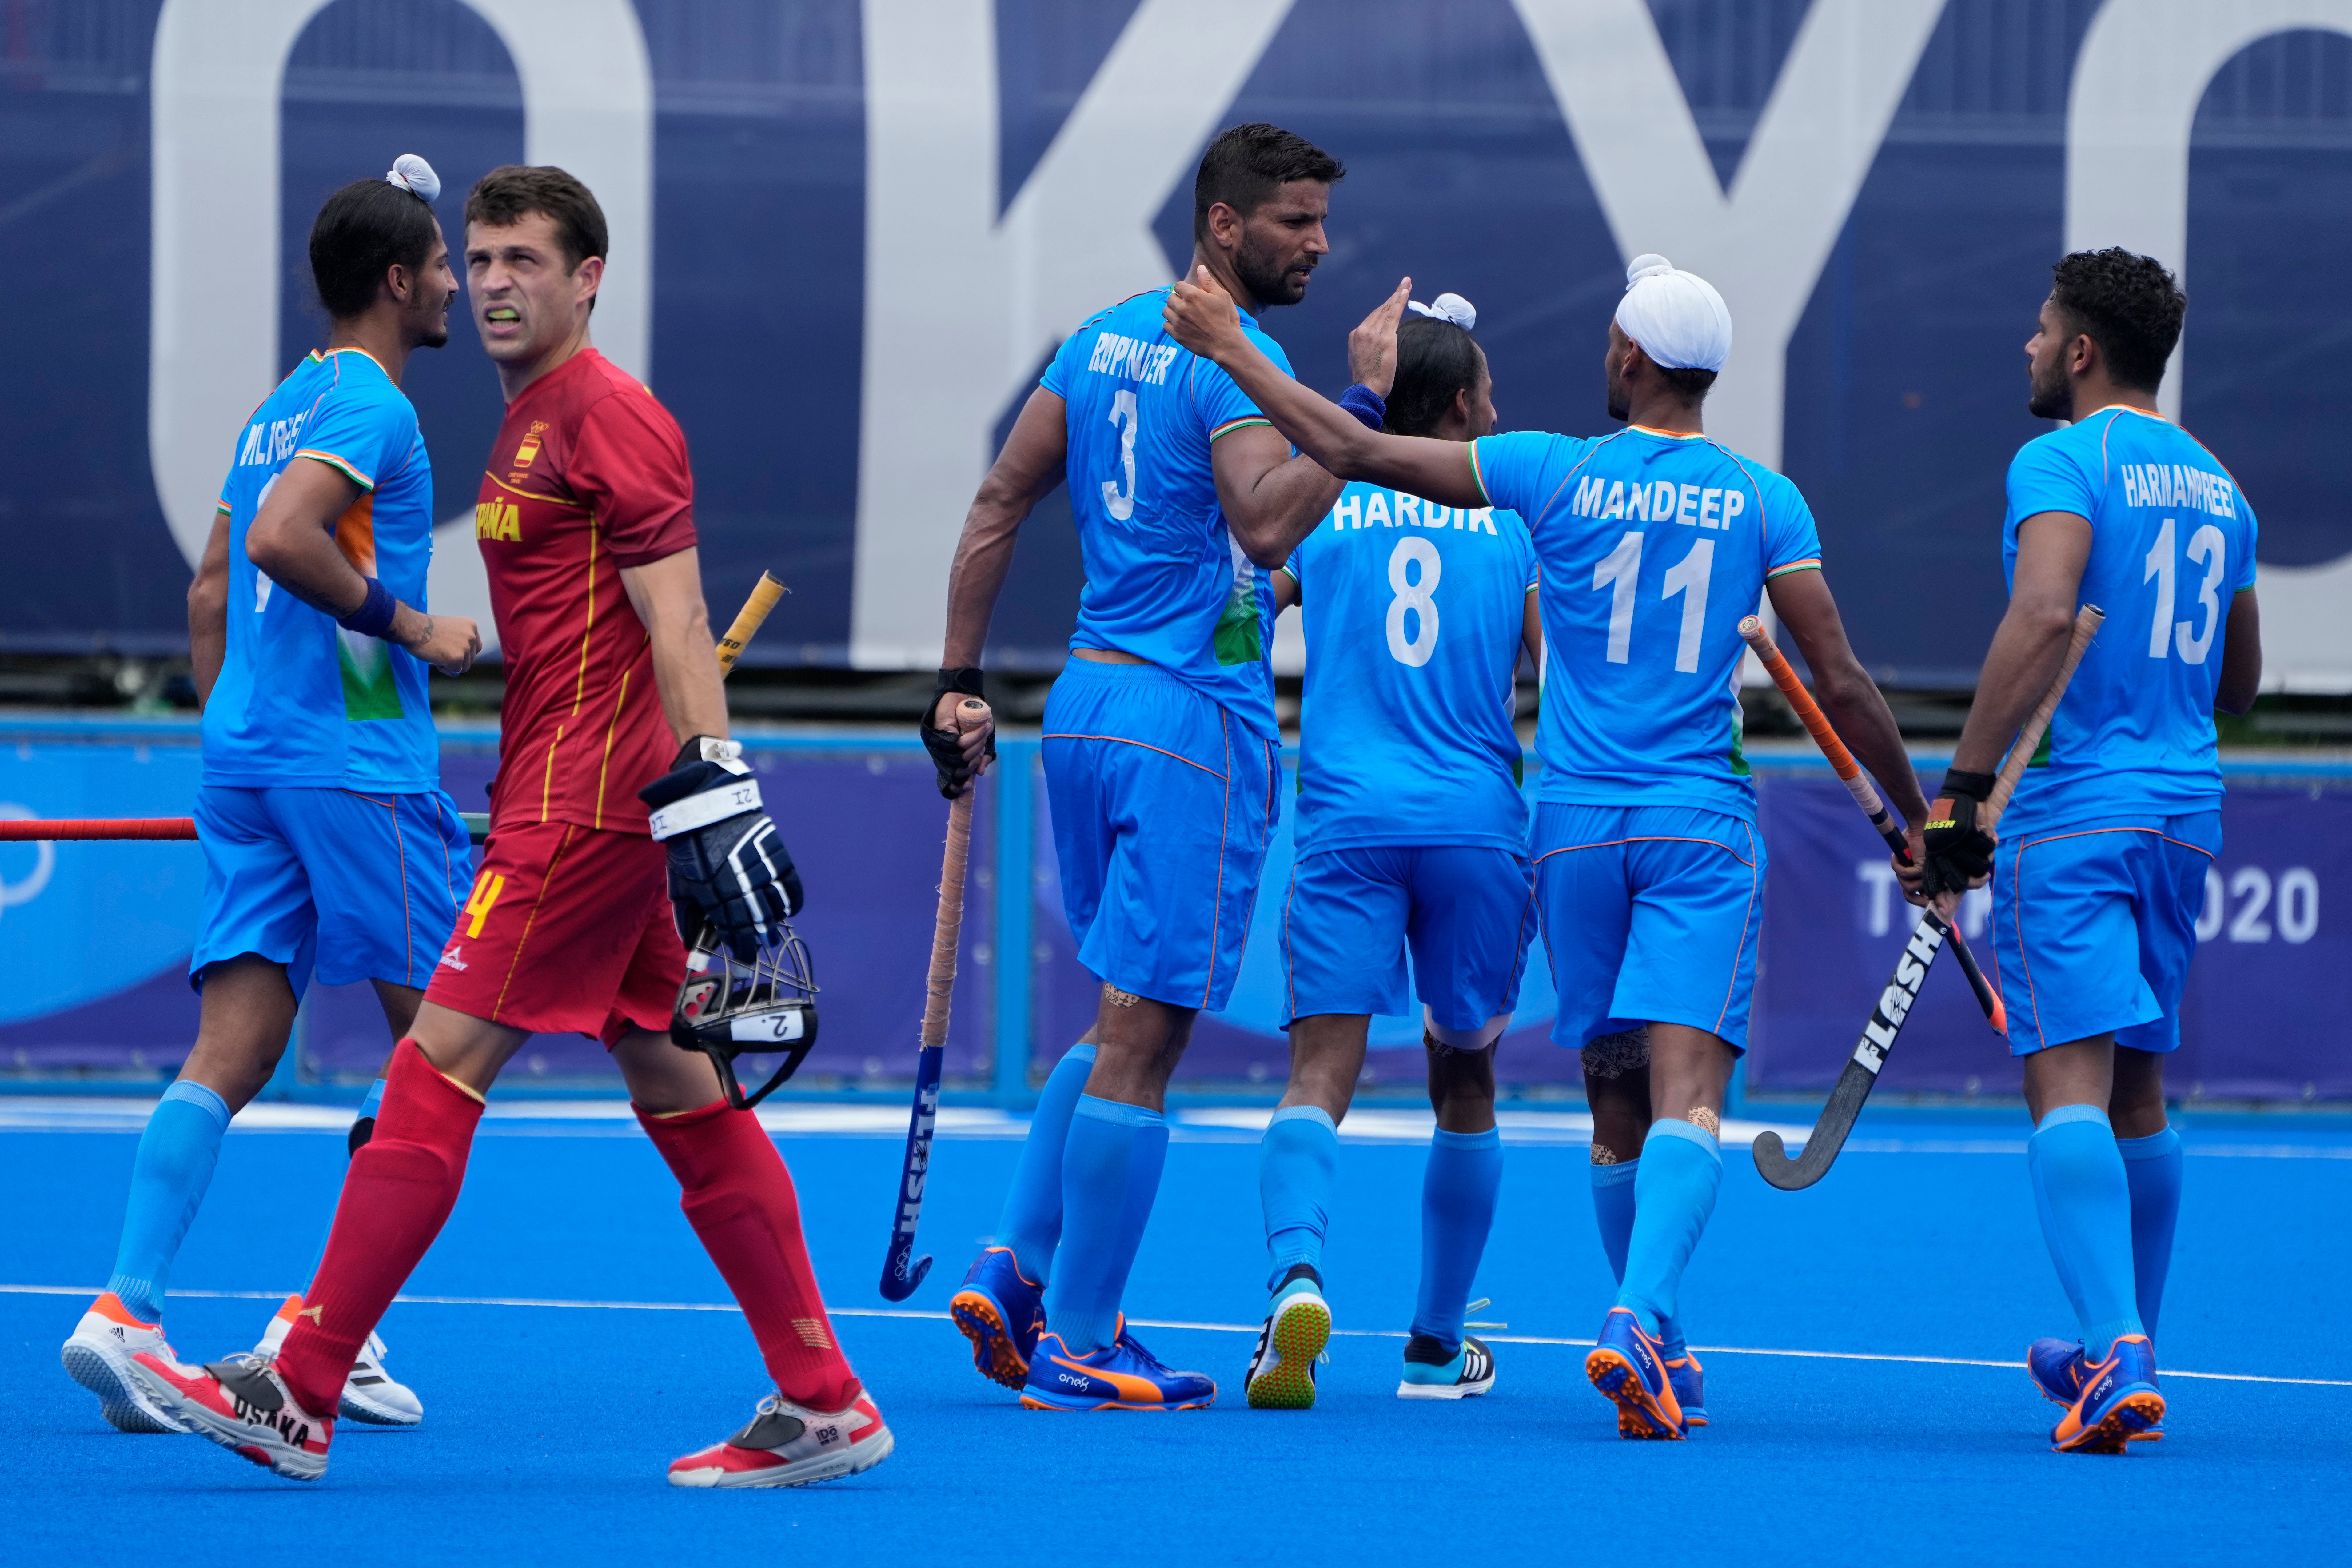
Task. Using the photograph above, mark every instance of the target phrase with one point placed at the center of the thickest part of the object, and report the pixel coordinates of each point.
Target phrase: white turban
(1678, 318)
(1450, 308)
(414, 174)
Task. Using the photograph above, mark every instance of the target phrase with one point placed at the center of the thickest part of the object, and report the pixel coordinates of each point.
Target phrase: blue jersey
(1165, 581)
(2172, 541)
(1654, 548)
(1414, 616)
(300, 701)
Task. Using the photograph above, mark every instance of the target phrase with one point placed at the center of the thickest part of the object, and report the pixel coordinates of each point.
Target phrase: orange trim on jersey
(1812, 565)
(1163, 752)
(1747, 924)
(1669, 435)
(355, 349)
(1237, 424)
(545, 882)
(580, 685)
(355, 533)
(534, 495)
(343, 465)
(1478, 475)
(605, 766)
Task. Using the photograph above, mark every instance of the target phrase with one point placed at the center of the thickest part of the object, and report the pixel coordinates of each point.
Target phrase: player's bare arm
(1201, 316)
(1023, 474)
(208, 611)
(1286, 590)
(2052, 547)
(2241, 655)
(293, 540)
(1857, 710)
(667, 596)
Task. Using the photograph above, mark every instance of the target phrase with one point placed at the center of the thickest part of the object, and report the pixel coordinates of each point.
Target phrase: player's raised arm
(1201, 315)
(1023, 474)
(293, 540)
(1857, 710)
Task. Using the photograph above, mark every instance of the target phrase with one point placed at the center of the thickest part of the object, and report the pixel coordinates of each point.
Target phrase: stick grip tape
(764, 595)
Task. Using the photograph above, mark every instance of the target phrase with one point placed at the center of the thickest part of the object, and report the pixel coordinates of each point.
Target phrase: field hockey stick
(1858, 784)
(902, 1272)
(1893, 1004)
(764, 595)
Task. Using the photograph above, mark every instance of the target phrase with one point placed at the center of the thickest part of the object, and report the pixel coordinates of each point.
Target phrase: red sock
(399, 1191)
(738, 1197)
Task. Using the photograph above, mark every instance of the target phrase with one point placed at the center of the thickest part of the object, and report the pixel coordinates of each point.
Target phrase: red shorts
(567, 930)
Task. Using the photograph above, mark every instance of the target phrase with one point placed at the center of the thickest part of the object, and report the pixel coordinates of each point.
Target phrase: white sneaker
(787, 1445)
(98, 1358)
(370, 1393)
(243, 1404)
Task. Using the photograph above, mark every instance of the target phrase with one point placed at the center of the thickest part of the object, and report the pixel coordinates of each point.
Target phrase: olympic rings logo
(45, 862)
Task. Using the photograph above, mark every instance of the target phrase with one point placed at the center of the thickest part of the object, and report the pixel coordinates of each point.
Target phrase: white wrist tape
(701, 810)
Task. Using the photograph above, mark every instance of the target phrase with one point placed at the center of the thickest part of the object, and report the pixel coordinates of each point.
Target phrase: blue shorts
(1162, 804)
(359, 886)
(2095, 929)
(1651, 914)
(1465, 911)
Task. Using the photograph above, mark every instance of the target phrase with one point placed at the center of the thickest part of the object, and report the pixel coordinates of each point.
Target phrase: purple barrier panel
(2261, 1018)
(866, 829)
(1246, 1040)
(1834, 923)
(2263, 1015)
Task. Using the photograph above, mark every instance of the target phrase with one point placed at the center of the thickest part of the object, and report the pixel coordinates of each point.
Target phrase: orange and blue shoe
(1689, 1379)
(2119, 1402)
(1625, 1366)
(1121, 1375)
(2059, 1369)
(1001, 1311)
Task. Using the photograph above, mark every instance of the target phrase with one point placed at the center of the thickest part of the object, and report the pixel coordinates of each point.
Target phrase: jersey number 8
(1413, 594)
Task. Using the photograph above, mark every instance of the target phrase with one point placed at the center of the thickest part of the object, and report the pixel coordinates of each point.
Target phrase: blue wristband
(1366, 405)
(374, 618)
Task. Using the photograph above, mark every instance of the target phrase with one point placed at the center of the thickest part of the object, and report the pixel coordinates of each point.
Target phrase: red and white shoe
(371, 1394)
(243, 1404)
(787, 1445)
(98, 1358)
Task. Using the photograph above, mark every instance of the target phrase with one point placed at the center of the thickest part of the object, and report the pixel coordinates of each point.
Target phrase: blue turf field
(548, 1427)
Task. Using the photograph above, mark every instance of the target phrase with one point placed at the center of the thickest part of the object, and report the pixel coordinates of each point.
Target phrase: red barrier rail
(61, 829)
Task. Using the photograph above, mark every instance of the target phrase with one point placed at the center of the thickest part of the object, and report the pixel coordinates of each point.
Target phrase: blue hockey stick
(901, 1271)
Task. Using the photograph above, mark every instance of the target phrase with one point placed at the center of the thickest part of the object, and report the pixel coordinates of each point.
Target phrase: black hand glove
(1958, 851)
(727, 863)
(946, 746)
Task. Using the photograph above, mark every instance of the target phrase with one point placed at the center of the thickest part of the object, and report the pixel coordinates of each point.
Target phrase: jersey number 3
(1123, 414)
(1621, 573)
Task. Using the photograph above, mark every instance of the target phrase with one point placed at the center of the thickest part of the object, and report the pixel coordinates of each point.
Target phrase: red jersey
(589, 475)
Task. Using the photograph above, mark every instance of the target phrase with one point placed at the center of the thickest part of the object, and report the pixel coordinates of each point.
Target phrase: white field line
(1146, 1324)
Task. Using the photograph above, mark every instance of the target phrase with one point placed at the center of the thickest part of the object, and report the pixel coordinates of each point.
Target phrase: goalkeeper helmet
(729, 1008)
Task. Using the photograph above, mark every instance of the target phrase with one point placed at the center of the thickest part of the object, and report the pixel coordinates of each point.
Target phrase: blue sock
(1673, 1195)
(2152, 1170)
(1612, 1206)
(1297, 1165)
(2087, 1216)
(370, 1103)
(1030, 1224)
(175, 1165)
(1110, 1174)
(1457, 1211)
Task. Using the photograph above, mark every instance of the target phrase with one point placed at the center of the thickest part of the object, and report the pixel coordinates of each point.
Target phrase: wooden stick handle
(947, 928)
(764, 595)
(2037, 723)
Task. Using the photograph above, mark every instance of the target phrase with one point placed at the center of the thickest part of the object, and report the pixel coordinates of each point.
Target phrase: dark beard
(1613, 392)
(2052, 398)
(1268, 283)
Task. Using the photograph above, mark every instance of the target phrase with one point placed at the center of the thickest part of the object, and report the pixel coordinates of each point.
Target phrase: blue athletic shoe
(1689, 1379)
(1001, 1311)
(2119, 1402)
(2060, 1370)
(1297, 1326)
(1121, 1375)
(1630, 1373)
(1431, 1373)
